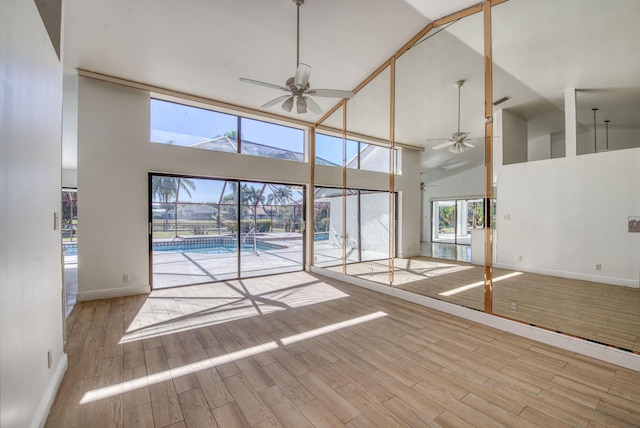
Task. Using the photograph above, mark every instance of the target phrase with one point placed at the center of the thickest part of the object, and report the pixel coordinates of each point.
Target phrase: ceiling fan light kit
(298, 86)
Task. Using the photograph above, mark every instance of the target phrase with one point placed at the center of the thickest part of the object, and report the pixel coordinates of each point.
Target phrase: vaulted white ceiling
(203, 47)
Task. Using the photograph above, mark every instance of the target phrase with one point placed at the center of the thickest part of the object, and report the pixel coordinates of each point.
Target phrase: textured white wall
(30, 255)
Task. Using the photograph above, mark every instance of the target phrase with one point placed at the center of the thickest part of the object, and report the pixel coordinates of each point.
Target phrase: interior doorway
(204, 230)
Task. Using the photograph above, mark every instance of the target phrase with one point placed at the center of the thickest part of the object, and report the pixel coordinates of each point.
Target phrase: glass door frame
(303, 217)
(457, 202)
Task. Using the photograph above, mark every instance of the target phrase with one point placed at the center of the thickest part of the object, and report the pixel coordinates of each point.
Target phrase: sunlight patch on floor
(331, 328)
(224, 302)
(477, 284)
(165, 375)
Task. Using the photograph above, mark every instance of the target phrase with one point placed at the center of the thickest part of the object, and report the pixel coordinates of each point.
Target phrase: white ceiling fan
(298, 87)
(458, 142)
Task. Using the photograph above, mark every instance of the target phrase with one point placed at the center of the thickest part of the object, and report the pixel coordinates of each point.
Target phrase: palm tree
(167, 188)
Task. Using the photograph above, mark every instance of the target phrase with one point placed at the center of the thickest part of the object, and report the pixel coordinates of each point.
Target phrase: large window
(198, 128)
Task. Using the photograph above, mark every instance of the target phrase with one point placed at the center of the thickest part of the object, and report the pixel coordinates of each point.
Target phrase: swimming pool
(226, 247)
(213, 248)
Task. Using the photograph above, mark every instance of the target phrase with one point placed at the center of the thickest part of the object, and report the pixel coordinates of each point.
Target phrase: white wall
(514, 137)
(30, 255)
(69, 178)
(467, 184)
(564, 216)
(114, 158)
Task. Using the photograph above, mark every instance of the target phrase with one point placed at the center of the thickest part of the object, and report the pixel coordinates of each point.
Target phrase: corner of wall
(44, 407)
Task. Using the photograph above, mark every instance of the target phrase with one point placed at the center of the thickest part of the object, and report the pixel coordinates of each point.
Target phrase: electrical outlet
(519, 258)
(513, 305)
(598, 266)
(49, 358)
(126, 277)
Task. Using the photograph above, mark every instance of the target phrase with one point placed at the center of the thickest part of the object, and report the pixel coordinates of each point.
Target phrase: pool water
(211, 248)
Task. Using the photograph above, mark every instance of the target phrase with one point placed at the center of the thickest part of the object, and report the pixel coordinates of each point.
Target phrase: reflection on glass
(563, 218)
(607, 119)
(530, 119)
(374, 158)
(368, 231)
(439, 91)
(330, 151)
(328, 221)
(368, 223)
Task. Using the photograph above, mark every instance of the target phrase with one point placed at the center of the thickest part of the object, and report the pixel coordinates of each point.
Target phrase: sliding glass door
(453, 220)
(205, 230)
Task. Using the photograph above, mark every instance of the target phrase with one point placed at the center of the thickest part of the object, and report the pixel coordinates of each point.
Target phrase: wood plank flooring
(299, 350)
(603, 313)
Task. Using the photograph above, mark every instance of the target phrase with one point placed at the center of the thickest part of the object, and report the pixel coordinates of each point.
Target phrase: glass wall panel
(607, 119)
(374, 224)
(328, 221)
(374, 158)
(562, 249)
(439, 105)
(330, 151)
(368, 115)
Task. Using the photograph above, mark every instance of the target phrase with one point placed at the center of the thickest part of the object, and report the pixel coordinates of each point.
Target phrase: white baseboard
(84, 296)
(373, 286)
(408, 255)
(42, 412)
(598, 351)
(626, 282)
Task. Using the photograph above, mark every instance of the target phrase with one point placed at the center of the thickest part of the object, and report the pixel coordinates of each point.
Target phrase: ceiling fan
(458, 142)
(298, 86)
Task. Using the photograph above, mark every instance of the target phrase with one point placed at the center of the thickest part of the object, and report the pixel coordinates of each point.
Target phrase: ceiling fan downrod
(459, 84)
(298, 3)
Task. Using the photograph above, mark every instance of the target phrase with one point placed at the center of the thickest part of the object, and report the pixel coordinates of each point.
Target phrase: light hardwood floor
(300, 350)
(602, 313)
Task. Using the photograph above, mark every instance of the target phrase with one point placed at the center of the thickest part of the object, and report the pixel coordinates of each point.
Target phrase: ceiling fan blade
(268, 85)
(287, 105)
(275, 101)
(313, 106)
(302, 75)
(332, 93)
(443, 145)
(468, 144)
(301, 105)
